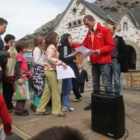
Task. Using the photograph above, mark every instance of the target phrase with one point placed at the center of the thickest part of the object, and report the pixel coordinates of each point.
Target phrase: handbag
(22, 90)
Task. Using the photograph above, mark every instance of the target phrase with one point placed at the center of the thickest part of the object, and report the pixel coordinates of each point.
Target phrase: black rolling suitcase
(108, 115)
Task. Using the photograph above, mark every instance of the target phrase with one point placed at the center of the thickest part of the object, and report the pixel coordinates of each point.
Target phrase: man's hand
(98, 51)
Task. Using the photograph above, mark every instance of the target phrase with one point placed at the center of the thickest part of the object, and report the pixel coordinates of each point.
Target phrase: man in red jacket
(5, 117)
(99, 39)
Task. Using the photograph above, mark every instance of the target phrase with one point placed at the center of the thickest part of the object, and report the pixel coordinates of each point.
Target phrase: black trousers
(75, 88)
(81, 87)
(8, 91)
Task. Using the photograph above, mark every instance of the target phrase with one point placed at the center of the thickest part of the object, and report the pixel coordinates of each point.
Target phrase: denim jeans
(66, 88)
(104, 71)
(115, 74)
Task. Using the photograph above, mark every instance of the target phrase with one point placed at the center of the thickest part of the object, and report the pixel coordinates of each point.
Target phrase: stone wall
(131, 80)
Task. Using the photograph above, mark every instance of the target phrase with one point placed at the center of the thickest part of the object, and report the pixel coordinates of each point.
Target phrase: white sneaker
(71, 109)
(64, 109)
(67, 110)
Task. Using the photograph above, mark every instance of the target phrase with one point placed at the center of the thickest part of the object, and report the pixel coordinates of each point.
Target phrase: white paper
(87, 54)
(2, 135)
(82, 49)
(64, 73)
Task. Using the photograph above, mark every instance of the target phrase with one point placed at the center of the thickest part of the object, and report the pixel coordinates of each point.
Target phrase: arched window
(69, 25)
(131, 55)
(74, 23)
(125, 26)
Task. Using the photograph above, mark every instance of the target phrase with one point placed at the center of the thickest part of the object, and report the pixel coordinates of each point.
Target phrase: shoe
(71, 109)
(88, 107)
(41, 113)
(64, 109)
(77, 100)
(33, 107)
(10, 110)
(22, 113)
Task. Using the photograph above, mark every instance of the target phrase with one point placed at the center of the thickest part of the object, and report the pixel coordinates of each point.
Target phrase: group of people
(108, 61)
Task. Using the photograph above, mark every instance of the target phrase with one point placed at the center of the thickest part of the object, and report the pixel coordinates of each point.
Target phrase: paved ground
(80, 119)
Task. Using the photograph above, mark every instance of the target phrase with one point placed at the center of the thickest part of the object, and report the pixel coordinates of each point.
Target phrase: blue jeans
(66, 88)
(116, 73)
(97, 71)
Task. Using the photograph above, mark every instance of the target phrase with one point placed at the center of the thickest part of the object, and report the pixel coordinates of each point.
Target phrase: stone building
(127, 23)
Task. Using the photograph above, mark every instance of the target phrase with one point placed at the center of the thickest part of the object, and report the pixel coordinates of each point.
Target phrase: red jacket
(5, 117)
(103, 41)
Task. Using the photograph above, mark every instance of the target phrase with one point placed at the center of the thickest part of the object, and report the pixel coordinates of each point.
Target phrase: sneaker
(64, 109)
(22, 113)
(77, 100)
(71, 109)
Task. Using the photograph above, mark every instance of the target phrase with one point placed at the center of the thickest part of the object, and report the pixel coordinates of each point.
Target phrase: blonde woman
(51, 86)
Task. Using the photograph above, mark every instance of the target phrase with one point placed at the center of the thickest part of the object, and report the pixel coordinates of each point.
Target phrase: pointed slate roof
(135, 15)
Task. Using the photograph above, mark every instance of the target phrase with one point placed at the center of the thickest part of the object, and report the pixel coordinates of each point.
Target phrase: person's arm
(86, 75)
(36, 56)
(84, 43)
(17, 69)
(68, 57)
(52, 55)
(5, 117)
(4, 54)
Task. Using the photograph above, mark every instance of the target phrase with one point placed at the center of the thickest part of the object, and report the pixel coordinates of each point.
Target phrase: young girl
(51, 87)
(67, 56)
(22, 74)
(37, 70)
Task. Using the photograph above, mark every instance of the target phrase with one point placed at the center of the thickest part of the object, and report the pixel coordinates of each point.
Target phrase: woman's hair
(38, 40)
(50, 39)
(20, 46)
(60, 133)
(64, 39)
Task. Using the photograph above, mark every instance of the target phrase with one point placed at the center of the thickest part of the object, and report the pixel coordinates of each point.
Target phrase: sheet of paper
(82, 49)
(64, 73)
(87, 54)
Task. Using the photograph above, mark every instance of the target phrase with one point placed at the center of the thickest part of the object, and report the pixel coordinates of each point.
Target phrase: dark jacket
(83, 76)
(66, 55)
(122, 54)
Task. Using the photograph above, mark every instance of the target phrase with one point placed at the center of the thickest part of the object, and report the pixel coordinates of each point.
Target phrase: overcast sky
(25, 16)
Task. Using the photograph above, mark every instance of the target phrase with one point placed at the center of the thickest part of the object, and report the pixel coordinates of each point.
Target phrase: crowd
(108, 61)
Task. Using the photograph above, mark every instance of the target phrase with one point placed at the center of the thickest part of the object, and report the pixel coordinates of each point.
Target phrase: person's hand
(75, 53)
(20, 81)
(64, 65)
(98, 51)
(86, 84)
(12, 54)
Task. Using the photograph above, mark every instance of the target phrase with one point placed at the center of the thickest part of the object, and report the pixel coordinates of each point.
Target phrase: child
(37, 70)
(22, 73)
(51, 86)
(67, 55)
(9, 75)
(5, 117)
